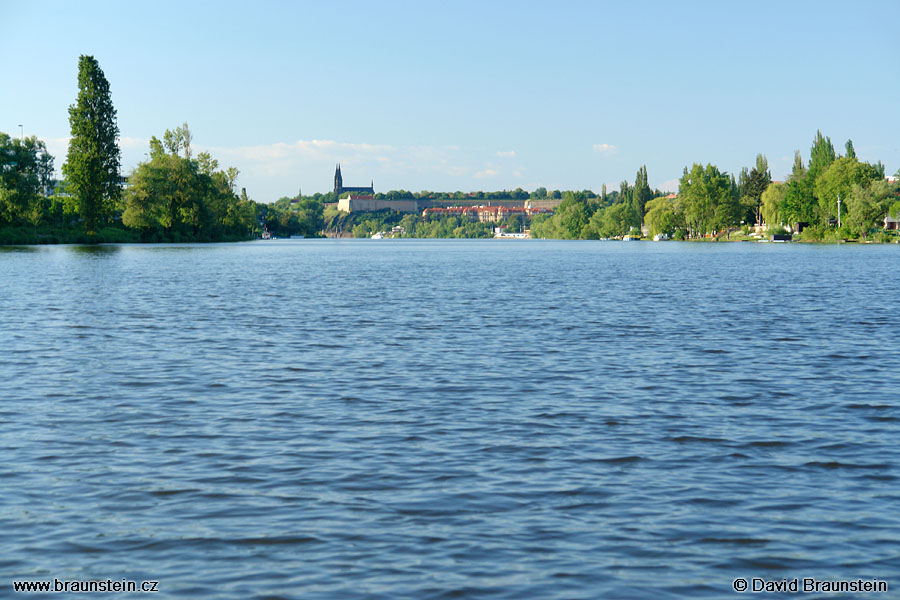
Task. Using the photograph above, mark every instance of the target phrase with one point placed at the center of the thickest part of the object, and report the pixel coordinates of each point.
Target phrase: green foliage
(177, 198)
(821, 155)
(641, 193)
(752, 185)
(663, 217)
(772, 204)
(93, 162)
(299, 216)
(26, 171)
(799, 205)
(177, 140)
(707, 199)
(616, 220)
(867, 204)
(539, 194)
(572, 215)
(415, 226)
(838, 178)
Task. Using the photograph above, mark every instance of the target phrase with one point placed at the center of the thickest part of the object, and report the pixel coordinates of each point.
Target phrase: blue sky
(466, 95)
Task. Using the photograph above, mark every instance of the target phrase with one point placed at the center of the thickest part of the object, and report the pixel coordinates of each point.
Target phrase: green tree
(821, 154)
(707, 198)
(93, 162)
(799, 205)
(662, 216)
(178, 198)
(641, 193)
(572, 215)
(615, 220)
(851, 153)
(868, 204)
(772, 204)
(753, 183)
(26, 171)
(539, 194)
(837, 179)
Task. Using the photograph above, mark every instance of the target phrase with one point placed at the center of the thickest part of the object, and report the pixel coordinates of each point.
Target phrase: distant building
(340, 189)
(368, 203)
(549, 203)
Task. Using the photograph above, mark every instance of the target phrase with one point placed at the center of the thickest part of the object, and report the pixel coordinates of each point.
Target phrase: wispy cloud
(669, 185)
(282, 159)
(506, 153)
(310, 149)
(606, 149)
(59, 148)
(485, 173)
(130, 143)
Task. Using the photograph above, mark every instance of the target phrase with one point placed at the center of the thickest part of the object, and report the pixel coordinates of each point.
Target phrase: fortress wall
(357, 205)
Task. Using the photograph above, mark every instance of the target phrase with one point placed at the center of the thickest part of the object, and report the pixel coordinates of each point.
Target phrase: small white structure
(892, 223)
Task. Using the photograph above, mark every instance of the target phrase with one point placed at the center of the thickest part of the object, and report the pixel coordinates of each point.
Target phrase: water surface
(449, 419)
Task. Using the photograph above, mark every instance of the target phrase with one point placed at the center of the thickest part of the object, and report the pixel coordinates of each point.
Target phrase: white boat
(378, 236)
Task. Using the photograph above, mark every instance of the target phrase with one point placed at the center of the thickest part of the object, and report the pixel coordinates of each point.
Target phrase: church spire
(338, 181)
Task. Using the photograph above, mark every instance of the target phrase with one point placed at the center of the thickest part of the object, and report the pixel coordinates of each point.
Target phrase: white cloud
(606, 149)
(309, 149)
(485, 173)
(669, 185)
(287, 160)
(506, 153)
(130, 143)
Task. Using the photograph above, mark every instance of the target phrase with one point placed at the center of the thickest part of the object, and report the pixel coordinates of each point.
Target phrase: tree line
(177, 196)
(173, 196)
(710, 202)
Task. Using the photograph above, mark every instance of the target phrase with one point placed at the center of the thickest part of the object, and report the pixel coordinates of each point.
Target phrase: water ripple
(437, 419)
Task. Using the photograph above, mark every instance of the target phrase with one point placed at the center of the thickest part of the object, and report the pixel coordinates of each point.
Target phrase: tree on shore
(26, 172)
(772, 204)
(707, 199)
(93, 162)
(179, 198)
(753, 183)
(641, 193)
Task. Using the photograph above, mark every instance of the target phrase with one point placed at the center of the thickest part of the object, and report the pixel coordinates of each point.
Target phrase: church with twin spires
(340, 189)
(362, 199)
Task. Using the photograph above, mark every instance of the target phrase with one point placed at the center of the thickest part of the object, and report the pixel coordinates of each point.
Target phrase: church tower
(338, 182)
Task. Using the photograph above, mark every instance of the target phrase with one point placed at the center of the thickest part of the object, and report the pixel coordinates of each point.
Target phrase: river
(449, 418)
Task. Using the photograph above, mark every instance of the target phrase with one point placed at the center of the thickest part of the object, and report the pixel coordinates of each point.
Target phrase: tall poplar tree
(92, 165)
(641, 194)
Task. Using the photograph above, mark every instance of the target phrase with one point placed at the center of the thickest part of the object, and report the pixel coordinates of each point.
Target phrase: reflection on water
(95, 250)
(359, 419)
(18, 249)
